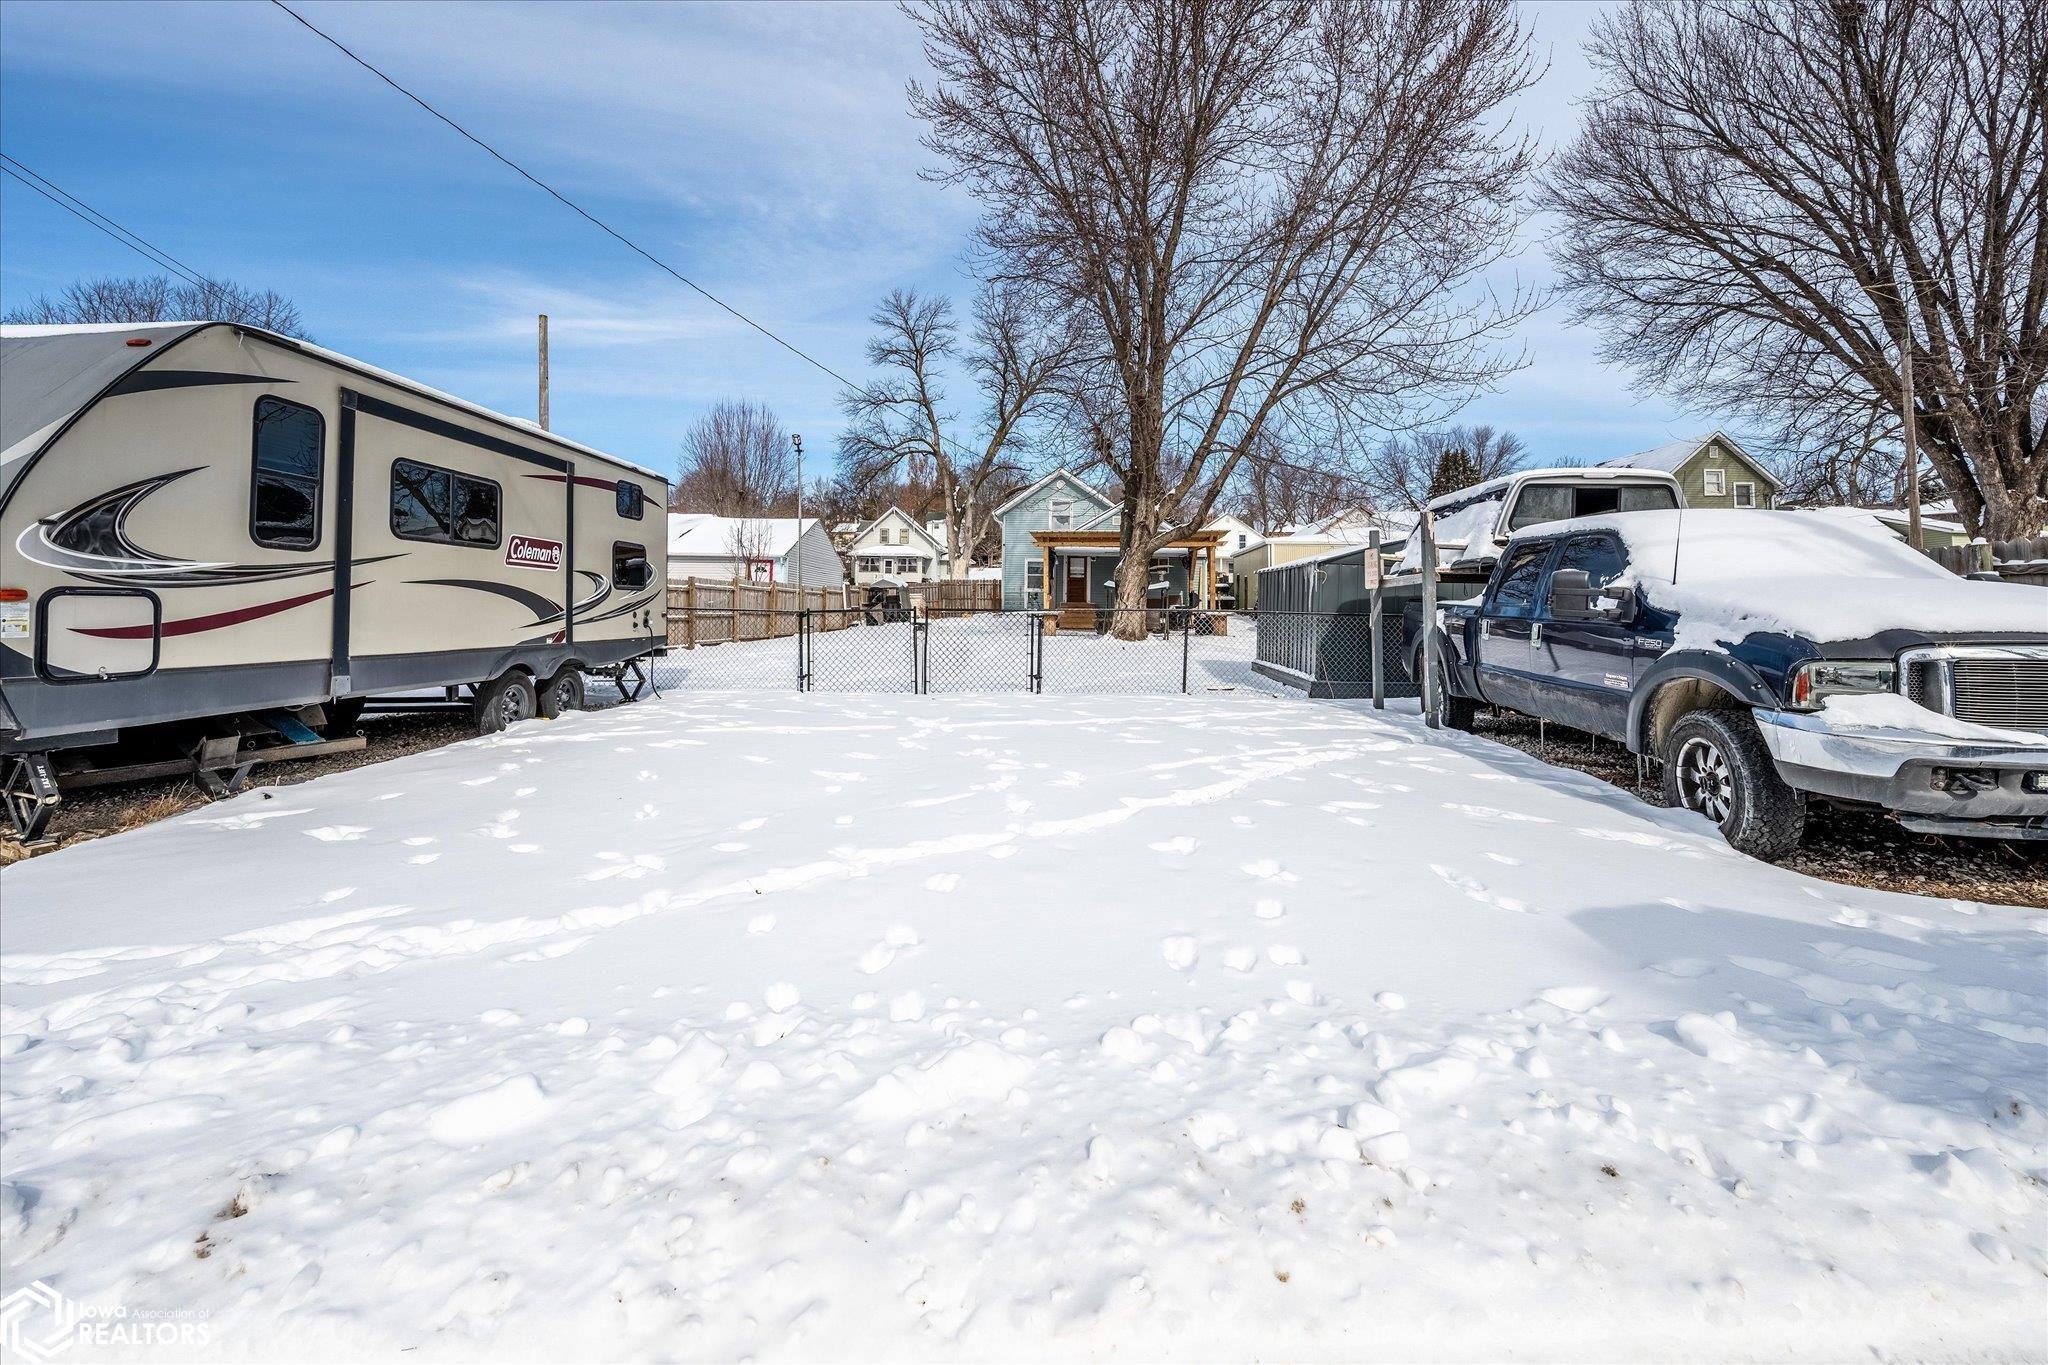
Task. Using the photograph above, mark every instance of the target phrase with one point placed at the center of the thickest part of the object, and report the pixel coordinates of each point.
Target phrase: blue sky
(763, 149)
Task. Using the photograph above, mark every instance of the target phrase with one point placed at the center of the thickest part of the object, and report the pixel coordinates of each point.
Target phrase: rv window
(630, 569)
(441, 506)
(632, 502)
(284, 502)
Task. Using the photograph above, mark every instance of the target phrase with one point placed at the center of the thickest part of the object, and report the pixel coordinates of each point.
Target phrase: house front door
(1077, 581)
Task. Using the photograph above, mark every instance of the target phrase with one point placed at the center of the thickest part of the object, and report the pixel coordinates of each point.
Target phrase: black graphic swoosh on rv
(543, 608)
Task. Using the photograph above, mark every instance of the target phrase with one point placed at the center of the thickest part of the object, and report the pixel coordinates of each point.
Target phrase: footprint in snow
(1266, 869)
(1478, 891)
(1179, 844)
(1269, 909)
(942, 882)
(339, 834)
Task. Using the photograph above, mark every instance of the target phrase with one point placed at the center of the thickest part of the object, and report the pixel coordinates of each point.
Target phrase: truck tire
(504, 701)
(563, 692)
(1453, 712)
(1715, 763)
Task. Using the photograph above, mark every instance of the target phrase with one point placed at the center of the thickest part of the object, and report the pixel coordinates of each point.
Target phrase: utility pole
(1913, 534)
(543, 371)
(1909, 427)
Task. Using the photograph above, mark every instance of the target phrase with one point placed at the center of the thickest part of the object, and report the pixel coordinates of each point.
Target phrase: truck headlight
(1822, 678)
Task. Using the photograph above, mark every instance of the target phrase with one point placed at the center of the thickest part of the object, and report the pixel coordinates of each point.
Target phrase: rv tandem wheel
(563, 692)
(504, 701)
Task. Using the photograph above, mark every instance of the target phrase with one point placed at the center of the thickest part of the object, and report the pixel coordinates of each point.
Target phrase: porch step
(1077, 618)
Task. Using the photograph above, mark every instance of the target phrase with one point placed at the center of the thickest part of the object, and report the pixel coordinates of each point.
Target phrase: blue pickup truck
(1766, 659)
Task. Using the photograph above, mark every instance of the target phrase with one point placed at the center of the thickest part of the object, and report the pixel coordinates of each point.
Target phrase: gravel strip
(1858, 848)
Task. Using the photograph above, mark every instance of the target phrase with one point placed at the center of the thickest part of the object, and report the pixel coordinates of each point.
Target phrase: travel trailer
(224, 536)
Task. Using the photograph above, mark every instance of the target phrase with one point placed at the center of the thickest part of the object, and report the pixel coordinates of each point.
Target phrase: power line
(92, 217)
(634, 246)
(564, 199)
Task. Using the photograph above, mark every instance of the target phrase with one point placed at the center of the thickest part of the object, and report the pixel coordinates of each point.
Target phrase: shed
(1315, 625)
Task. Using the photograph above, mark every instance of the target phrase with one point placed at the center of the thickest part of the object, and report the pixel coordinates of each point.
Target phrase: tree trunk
(1134, 567)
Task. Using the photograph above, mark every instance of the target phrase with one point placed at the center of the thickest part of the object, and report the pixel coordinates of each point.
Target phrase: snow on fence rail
(709, 611)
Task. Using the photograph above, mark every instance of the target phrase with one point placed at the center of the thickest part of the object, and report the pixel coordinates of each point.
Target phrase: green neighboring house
(1713, 470)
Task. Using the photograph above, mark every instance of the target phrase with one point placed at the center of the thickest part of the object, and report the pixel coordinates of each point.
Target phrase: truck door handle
(1536, 635)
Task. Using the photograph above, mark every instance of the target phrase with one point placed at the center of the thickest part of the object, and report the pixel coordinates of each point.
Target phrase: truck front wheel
(1715, 763)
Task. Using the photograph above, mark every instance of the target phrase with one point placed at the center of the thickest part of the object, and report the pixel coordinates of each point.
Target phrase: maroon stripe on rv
(194, 625)
(609, 485)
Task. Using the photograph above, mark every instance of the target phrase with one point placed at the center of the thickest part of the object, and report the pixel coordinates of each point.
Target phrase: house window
(1034, 582)
(630, 569)
(1062, 512)
(1745, 495)
(284, 502)
(631, 501)
(1241, 537)
(1716, 482)
(442, 507)
(868, 564)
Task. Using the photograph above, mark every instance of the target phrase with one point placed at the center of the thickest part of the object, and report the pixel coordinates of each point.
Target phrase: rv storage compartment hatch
(90, 634)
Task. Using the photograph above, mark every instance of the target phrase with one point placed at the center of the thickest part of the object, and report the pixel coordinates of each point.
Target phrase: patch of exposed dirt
(100, 811)
(1855, 847)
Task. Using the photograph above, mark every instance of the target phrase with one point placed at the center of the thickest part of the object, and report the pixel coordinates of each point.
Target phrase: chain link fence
(1069, 652)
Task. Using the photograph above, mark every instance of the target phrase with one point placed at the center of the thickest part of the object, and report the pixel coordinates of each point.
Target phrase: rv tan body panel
(238, 521)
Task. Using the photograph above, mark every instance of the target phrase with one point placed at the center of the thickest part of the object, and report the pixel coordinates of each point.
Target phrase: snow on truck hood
(1730, 573)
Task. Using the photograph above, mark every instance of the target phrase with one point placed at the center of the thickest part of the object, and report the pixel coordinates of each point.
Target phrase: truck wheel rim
(1705, 781)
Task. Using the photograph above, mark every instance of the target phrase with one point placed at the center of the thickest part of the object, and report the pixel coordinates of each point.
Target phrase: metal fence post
(1187, 635)
(1429, 680)
(1376, 641)
(920, 654)
(803, 651)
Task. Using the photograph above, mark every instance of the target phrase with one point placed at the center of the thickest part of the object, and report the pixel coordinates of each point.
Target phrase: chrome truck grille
(1999, 685)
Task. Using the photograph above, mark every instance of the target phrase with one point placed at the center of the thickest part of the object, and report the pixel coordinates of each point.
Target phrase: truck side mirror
(1574, 598)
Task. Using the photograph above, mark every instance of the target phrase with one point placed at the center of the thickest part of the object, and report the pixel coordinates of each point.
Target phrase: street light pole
(797, 545)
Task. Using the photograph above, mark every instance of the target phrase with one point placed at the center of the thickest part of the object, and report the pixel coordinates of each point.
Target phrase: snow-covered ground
(840, 1026)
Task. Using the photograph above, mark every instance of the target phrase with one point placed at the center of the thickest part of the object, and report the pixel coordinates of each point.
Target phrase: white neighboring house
(752, 549)
(894, 547)
(1239, 537)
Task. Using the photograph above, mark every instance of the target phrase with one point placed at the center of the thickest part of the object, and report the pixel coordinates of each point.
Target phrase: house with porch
(894, 547)
(1060, 550)
(1712, 470)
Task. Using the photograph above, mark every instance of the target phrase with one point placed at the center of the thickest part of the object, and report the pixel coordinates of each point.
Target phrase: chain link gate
(1072, 652)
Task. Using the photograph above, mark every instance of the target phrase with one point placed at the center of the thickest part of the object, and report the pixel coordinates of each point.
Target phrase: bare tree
(1280, 485)
(1408, 471)
(1256, 206)
(898, 424)
(736, 462)
(1769, 201)
(747, 539)
(155, 298)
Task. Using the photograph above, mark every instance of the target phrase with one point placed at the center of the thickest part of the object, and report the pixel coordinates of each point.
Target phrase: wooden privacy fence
(2016, 561)
(957, 596)
(710, 611)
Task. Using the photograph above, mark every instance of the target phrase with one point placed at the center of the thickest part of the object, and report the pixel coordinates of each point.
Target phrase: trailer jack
(30, 791)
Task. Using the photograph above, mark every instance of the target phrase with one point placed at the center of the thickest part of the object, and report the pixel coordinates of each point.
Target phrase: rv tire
(563, 692)
(504, 701)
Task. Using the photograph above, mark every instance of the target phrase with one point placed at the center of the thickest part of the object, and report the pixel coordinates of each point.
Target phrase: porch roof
(1082, 540)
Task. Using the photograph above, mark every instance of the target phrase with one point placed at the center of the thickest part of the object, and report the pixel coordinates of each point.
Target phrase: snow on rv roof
(50, 372)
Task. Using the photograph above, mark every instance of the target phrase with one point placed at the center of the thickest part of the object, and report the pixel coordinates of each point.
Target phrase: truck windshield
(1541, 502)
